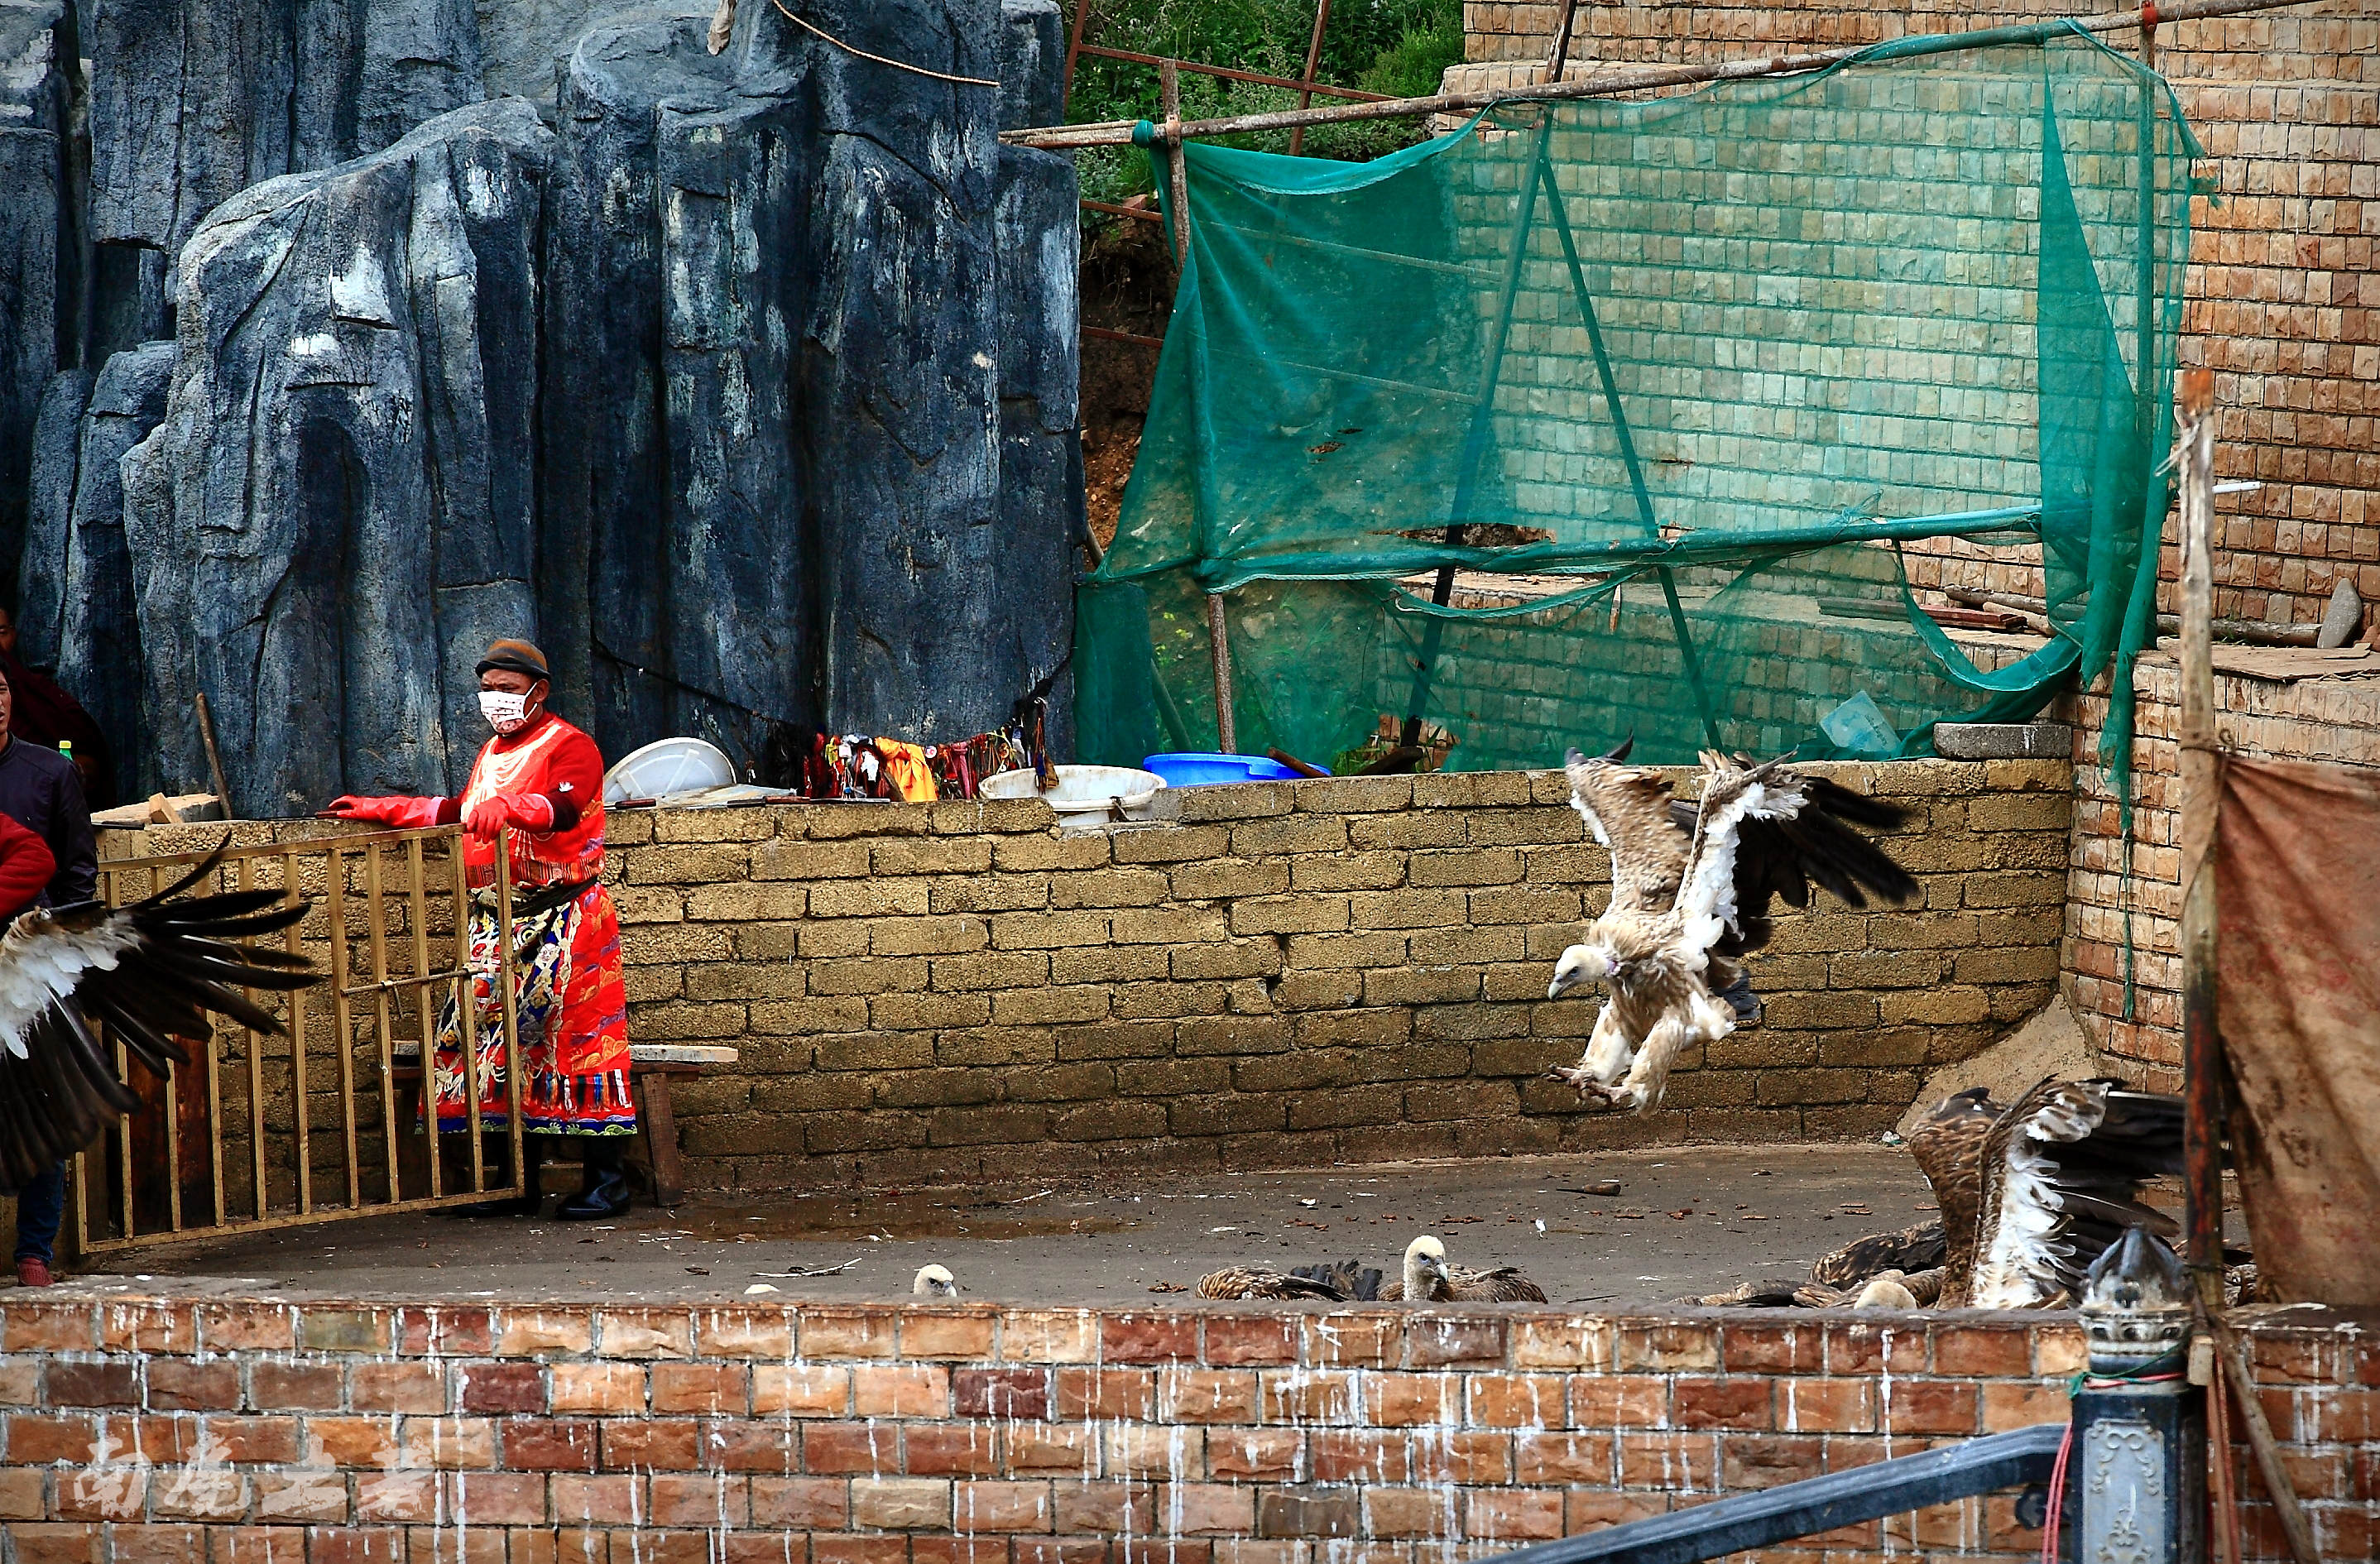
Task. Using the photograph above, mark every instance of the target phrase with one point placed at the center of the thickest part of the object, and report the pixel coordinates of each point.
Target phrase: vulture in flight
(1691, 887)
(151, 973)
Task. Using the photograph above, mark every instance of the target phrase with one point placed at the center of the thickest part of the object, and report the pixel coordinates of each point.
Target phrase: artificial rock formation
(810, 449)
(40, 236)
(749, 389)
(339, 508)
(194, 101)
(75, 601)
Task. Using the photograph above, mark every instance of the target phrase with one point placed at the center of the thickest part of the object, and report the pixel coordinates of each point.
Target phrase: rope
(879, 59)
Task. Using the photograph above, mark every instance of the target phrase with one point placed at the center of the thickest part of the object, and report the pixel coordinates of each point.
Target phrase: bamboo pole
(2201, 1047)
(1119, 132)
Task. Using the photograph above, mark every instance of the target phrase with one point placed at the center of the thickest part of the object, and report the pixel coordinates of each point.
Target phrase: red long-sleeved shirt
(26, 867)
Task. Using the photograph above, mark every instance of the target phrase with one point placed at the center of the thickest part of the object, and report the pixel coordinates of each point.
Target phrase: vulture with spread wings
(1691, 888)
(2032, 1194)
(151, 973)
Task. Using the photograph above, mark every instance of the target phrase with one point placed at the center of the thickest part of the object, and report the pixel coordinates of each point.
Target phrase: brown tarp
(2298, 879)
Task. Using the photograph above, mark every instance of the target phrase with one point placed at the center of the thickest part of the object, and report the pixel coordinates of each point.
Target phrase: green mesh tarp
(1608, 417)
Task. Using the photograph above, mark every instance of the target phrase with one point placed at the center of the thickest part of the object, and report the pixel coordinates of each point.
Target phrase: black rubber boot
(531, 1197)
(606, 1194)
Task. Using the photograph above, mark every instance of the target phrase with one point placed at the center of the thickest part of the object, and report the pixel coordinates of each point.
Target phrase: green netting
(1613, 417)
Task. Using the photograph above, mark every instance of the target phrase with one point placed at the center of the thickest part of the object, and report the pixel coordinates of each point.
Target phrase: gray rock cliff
(747, 387)
(75, 609)
(338, 510)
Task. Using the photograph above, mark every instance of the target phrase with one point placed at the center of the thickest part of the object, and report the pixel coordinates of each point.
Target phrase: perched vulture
(1255, 1282)
(1429, 1279)
(151, 972)
(1686, 905)
(934, 1281)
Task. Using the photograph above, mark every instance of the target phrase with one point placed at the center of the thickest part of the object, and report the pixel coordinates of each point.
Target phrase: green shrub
(1397, 47)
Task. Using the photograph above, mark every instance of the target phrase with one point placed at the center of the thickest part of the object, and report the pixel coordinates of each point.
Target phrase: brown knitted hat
(520, 657)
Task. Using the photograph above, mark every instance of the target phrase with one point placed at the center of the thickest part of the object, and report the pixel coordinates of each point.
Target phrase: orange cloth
(911, 773)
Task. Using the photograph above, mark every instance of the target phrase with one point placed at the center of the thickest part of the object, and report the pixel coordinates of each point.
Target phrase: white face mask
(506, 711)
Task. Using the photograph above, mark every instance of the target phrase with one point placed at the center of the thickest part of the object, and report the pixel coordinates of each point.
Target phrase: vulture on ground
(1688, 903)
(2031, 1195)
(2058, 1181)
(1429, 1279)
(151, 972)
(934, 1281)
(1256, 1284)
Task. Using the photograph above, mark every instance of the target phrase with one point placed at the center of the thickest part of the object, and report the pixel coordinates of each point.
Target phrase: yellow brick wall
(2111, 903)
(1333, 971)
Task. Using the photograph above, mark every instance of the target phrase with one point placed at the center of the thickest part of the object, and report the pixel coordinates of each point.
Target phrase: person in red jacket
(26, 865)
(537, 785)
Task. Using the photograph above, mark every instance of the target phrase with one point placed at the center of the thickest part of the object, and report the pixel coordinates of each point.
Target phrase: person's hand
(488, 816)
(406, 812)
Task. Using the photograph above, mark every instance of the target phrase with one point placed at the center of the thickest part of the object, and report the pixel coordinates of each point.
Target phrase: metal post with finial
(2134, 1473)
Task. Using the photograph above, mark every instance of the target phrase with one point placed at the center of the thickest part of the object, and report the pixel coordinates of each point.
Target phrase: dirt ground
(1683, 1221)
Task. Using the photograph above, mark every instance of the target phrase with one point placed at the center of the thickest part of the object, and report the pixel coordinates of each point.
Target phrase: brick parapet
(1326, 972)
(235, 1429)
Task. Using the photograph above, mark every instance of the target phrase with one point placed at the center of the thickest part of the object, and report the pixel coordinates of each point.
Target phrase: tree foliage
(1396, 47)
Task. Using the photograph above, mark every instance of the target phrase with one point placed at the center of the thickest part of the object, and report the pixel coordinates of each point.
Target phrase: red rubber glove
(531, 811)
(406, 813)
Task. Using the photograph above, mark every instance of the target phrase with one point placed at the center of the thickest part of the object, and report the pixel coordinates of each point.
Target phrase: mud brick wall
(2282, 299)
(236, 1430)
(1303, 975)
(1329, 972)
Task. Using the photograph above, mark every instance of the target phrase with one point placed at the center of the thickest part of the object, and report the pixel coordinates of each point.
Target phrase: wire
(879, 59)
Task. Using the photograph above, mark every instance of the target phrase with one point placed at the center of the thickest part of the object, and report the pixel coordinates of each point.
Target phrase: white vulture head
(935, 1281)
(1426, 1269)
(1580, 966)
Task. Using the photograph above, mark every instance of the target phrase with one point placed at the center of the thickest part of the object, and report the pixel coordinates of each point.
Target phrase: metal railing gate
(334, 1118)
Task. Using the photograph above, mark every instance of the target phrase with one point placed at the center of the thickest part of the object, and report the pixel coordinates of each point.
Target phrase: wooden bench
(652, 1068)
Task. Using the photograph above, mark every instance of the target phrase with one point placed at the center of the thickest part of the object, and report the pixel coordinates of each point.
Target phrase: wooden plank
(335, 897)
(425, 1014)
(376, 923)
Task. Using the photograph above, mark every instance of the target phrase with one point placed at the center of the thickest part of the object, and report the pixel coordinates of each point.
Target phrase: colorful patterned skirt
(572, 1012)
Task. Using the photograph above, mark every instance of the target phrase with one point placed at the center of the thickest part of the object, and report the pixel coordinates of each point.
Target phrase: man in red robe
(537, 785)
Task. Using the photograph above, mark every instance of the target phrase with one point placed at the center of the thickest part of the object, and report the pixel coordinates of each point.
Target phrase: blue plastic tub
(1209, 770)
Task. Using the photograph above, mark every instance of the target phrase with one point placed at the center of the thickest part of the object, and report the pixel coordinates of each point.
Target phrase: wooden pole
(1177, 184)
(214, 756)
(1313, 63)
(1118, 132)
(2201, 1047)
(1558, 61)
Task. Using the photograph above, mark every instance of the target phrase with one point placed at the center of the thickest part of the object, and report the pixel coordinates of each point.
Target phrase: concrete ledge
(2004, 741)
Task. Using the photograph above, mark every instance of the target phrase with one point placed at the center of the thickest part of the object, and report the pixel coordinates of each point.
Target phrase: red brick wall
(2337, 719)
(231, 1431)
